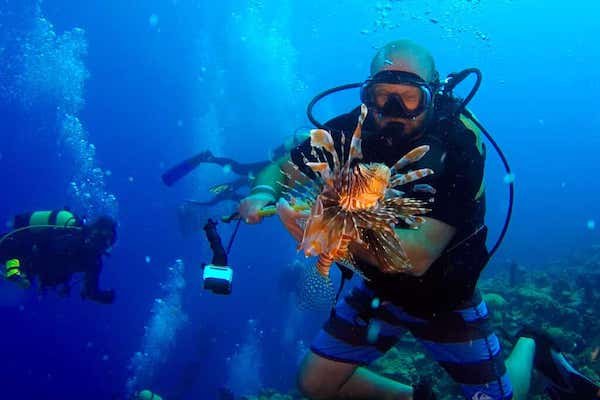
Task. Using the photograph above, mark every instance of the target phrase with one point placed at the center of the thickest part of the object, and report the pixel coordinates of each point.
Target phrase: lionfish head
(366, 187)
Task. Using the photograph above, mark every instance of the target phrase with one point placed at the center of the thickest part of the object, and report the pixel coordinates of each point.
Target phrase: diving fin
(174, 174)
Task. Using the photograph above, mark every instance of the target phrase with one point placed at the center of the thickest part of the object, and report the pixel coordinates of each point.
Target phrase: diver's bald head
(404, 55)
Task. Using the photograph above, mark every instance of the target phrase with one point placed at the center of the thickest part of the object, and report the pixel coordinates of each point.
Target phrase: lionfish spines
(403, 179)
(411, 157)
(354, 202)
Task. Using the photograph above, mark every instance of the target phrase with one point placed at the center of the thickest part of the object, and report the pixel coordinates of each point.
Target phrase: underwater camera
(217, 276)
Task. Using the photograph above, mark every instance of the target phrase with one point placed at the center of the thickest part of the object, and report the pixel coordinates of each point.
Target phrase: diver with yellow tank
(51, 246)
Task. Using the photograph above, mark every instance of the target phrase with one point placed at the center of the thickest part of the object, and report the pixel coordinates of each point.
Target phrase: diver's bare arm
(422, 246)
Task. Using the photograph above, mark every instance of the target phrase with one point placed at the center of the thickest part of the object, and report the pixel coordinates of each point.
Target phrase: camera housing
(217, 278)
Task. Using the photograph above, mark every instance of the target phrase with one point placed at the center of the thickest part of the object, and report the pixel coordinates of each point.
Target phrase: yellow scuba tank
(58, 218)
(147, 395)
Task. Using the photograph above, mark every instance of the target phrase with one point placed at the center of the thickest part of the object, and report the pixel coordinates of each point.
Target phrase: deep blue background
(236, 77)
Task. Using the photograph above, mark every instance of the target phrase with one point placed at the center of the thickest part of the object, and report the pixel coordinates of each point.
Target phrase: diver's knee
(313, 387)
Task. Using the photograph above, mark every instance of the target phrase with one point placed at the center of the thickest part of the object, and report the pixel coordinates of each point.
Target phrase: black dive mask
(410, 97)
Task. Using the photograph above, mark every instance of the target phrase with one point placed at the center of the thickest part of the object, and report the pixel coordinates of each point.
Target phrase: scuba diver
(247, 171)
(437, 300)
(51, 246)
(190, 218)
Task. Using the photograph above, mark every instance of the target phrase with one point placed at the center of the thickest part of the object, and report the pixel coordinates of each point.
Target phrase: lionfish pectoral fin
(392, 193)
(321, 168)
(413, 221)
(423, 188)
(321, 139)
(317, 209)
(394, 254)
(403, 179)
(411, 157)
(387, 248)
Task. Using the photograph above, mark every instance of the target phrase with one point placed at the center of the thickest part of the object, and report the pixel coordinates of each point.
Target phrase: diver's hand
(251, 205)
(100, 296)
(289, 218)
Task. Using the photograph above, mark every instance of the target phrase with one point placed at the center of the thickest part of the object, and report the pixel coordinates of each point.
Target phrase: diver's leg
(463, 343)
(519, 366)
(332, 369)
(323, 378)
(562, 380)
(236, 167)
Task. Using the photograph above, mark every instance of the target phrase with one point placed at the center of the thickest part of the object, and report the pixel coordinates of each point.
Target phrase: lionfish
(356, 202)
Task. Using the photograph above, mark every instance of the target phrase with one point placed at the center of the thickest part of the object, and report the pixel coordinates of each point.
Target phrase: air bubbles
(373, 331)
(591, 224)
(153, 20)
(148, 259)
(375, 303)
(509, 178)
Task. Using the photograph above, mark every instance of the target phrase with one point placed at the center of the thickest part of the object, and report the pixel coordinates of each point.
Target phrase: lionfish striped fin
(388, 249)
(411, 157)
(321, 168)
(392, 193)
(321, 139)
(423, 188)
(403, 179)
(355, 144)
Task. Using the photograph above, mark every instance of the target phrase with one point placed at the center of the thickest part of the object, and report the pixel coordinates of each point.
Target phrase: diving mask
(397, 94)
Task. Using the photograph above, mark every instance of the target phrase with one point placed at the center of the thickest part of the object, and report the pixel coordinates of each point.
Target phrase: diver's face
(411, 98)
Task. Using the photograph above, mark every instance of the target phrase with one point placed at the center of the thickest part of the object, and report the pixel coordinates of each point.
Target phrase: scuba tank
(55, 218)
(58, 219)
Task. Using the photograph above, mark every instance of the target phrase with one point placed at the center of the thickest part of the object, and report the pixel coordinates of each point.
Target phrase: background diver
(51, 246)
(437, 301)
(246, 171)
(190, 217)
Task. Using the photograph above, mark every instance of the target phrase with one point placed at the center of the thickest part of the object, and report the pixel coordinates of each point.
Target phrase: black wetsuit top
(457, 157)
(53, 255)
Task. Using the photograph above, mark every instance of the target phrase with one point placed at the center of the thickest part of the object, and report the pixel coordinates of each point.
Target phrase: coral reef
(560, 298)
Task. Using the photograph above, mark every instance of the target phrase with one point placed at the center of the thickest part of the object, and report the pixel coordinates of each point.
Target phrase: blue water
(150, 83)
